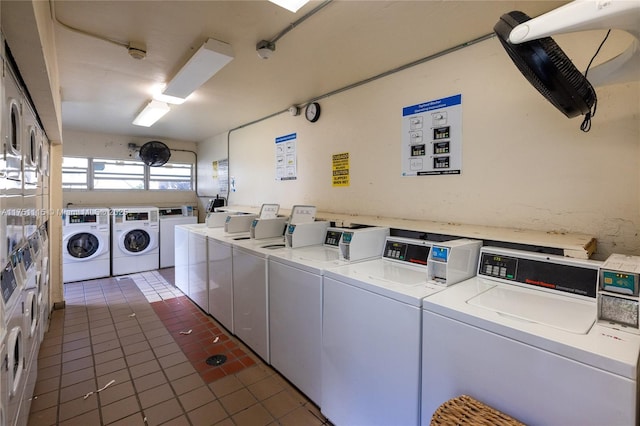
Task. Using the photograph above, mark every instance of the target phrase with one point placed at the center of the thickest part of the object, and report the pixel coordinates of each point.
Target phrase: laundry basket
(464, 410)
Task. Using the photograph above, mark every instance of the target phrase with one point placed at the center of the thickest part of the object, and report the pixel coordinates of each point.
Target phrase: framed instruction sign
(432, 137)
(286, 157)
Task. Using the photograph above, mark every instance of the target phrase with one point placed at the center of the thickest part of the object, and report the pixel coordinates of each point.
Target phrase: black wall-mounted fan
(154, 153)
(548, 69)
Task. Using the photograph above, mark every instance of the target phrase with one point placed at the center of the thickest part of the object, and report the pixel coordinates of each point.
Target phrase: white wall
(525, 165)
(115, 146)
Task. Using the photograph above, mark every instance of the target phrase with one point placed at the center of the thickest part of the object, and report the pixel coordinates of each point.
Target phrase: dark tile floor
(132, 350)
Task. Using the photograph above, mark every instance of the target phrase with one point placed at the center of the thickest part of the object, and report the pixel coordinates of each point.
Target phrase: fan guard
(547, 68)
(154, 153)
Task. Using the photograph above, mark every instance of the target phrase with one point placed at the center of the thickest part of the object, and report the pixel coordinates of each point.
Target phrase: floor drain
(216, 360)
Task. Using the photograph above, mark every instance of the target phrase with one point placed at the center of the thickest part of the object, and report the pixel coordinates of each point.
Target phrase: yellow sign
(340, 169)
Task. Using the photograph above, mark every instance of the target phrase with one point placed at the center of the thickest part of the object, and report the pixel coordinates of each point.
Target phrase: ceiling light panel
(208, 60)
(290, 5)
(151, 113)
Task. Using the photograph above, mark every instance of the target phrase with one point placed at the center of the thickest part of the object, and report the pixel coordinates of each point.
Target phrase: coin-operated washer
(223, 229)
(527, 325)
(251, 276)
(86, 252)
(371, 316)
(135, 240)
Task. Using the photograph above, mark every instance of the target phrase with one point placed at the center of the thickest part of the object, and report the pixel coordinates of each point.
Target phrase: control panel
(618, 293)
(406, 250)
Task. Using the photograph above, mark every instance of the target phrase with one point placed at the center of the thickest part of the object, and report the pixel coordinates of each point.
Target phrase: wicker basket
(464, 410)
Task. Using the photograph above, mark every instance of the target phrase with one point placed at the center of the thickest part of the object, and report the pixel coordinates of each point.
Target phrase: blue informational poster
(432, 137)
(286, 157)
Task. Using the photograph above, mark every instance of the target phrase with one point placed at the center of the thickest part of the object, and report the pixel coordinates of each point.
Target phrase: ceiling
(103, 88)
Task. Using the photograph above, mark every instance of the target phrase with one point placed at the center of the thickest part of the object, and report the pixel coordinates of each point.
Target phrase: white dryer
(522, 337)
(85, 244)
(135, 240)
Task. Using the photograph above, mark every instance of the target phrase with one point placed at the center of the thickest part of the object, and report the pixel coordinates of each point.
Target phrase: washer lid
(564, 313)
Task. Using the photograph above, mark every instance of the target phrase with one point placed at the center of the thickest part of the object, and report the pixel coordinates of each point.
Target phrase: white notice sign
(432, 137)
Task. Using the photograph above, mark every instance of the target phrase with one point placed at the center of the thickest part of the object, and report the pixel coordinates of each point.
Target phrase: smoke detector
(137, 50)
(265, 49)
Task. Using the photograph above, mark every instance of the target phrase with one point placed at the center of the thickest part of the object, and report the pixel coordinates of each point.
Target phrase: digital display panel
(290, 229)
(137, 216)
(346, 237)
(83, 218)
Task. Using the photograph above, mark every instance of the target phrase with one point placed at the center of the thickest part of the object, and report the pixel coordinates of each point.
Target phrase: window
(117, 174)
(109, 174)
(171, 176)
(75, 173)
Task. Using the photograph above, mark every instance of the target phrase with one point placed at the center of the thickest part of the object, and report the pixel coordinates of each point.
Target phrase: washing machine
(371, 335)
(295, 310)
(181, 255)
(30, 309)
(43, 296)
(13, 135)
(31, 333)
(135, 240)
(197, 265)
(3, 369)
(522, 337)
(31, 136)
(169, 218)
(12, 298)
(220, 276)
(219, 259)
(250, 292)
(85, 244)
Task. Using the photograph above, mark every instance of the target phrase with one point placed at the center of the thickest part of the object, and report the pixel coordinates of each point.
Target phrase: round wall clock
(312, 112)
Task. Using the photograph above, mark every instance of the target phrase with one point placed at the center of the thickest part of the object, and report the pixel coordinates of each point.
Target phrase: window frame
(146, 176)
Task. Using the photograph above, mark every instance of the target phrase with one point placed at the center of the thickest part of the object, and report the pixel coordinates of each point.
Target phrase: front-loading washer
(12, 298)
(85, 244)
(3, 370)
(522, 337)
(371, 336)
(13, 135)
(43, 297)
(30, 309)
(134, 240)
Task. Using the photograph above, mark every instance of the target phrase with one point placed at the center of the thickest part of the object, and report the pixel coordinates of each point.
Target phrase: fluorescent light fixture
(208, 60)
(168, 99)
(151, 113)
(290, 5)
